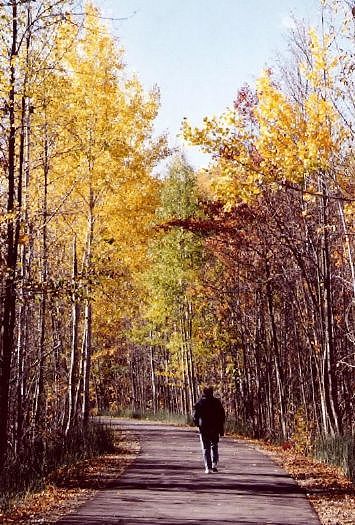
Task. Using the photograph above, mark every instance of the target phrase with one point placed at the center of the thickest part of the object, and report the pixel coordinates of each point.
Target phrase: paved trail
(166, 485)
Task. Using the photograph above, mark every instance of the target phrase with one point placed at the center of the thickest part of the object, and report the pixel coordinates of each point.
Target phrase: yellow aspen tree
(280, 141)
(110, 155)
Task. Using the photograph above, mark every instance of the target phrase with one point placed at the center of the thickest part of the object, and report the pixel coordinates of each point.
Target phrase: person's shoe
(208, 470)
(214, 469)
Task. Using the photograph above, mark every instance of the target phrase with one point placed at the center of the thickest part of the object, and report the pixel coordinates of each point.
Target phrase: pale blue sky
(199, 52)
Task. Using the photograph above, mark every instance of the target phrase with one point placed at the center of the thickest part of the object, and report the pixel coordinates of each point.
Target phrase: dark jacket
(209, 415)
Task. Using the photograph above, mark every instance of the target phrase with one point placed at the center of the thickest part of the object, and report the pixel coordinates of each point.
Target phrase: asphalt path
(167, 485)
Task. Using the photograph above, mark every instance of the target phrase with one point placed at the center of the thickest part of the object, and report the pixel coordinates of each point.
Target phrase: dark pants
(209, 444)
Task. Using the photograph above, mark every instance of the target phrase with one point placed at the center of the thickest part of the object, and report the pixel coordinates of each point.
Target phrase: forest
(127, 287)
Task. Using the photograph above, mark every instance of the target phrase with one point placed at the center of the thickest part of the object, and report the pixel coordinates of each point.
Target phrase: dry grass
(329, 491)
(69, 487)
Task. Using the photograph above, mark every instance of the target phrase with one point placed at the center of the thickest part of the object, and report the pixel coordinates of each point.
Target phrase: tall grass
(338, 451)
(28, 471)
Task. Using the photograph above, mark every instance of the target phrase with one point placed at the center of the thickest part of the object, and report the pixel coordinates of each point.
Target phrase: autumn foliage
(77, 197)
(126, 292)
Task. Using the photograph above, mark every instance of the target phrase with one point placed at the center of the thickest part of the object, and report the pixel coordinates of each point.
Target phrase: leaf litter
(70, 486)
(330, 492)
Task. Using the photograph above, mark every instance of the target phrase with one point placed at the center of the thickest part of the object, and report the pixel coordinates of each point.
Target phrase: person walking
(209, 416)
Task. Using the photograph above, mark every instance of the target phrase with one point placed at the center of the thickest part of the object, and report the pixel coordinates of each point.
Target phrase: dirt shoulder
(329, 491)
(69, 487)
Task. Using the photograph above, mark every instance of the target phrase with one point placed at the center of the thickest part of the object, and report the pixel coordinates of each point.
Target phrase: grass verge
(330, 492)
(66, 488)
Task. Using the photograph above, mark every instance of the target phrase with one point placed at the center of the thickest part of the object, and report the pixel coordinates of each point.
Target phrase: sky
(199, 52)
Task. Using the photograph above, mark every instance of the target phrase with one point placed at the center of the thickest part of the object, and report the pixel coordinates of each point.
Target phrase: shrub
(302, 435)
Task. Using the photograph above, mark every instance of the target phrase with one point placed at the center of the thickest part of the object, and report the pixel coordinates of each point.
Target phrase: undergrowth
(28, 471)
(337, 450)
